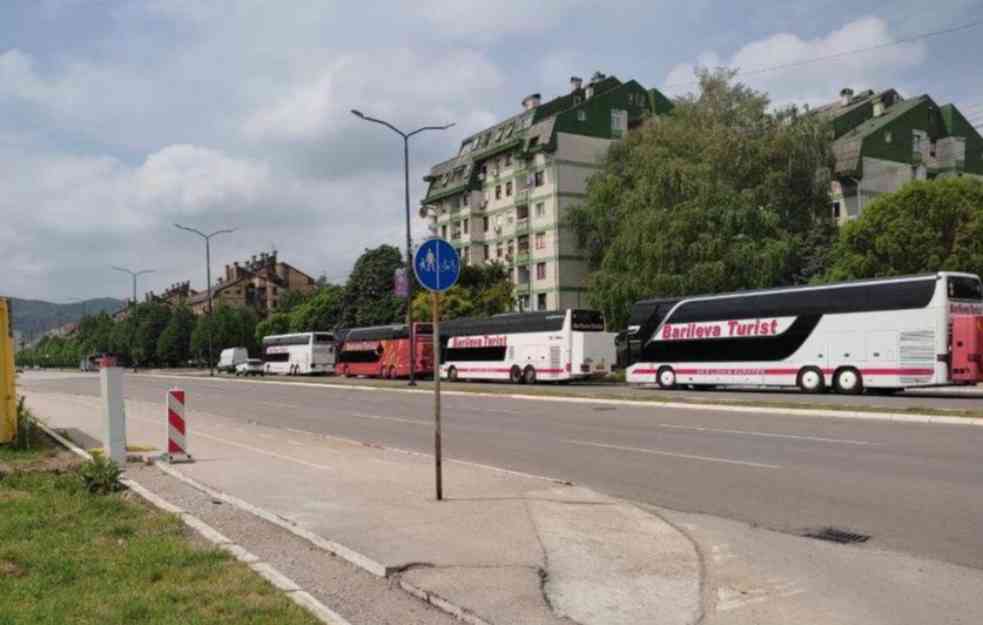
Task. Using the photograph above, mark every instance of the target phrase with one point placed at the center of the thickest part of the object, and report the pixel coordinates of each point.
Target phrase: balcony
(522, 226)
(456, 235)
(523, 288)
(522, 257)
(522, 195)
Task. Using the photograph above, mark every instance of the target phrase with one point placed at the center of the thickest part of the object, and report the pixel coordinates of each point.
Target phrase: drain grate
(835, 535)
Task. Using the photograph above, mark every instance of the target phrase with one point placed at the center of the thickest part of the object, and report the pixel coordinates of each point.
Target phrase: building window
(487, 251)
(508, 189)
(523, 302)
(522, 212)
(498, 251)
(888, 137)
(541, 301)
(443, 231)
(467, 256)
(464, 200)
(836, 210)
(577, 100)
(508, 160)
(484, 223)
(540, 271)
(581, 115)
(534, 141)
(498, 192)
(464, 228)
(540, 240)
(540, 209)
(539, 178)
(619, 122)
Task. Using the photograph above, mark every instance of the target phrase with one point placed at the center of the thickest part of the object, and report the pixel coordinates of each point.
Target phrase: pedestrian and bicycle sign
(437, 265)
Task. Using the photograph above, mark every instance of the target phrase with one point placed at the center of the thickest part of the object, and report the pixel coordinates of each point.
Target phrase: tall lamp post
(409, 240)
(208, 282)
(134, 275)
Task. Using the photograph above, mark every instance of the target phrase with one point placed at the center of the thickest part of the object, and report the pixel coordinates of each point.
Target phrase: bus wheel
(848, 381)
(515, 375)
(666, 378)
(529, 377)
(811, 380)
(452, 374)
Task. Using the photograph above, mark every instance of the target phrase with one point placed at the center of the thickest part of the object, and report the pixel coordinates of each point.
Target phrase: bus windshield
(965, 288)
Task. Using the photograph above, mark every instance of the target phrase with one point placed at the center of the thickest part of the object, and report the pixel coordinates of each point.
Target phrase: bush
(100, 475)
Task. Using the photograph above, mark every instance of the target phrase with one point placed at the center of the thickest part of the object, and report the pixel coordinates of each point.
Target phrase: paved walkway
(504, 547)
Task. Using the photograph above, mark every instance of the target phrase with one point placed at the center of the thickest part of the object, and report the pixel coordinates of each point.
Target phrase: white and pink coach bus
(525, 348)
(879, 334)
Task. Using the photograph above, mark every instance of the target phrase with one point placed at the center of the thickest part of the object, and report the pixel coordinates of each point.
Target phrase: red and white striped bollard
(177, 442)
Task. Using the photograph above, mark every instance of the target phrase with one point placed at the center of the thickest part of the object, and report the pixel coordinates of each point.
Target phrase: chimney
(531, 101)
(878, 108)
(576, 82)
(228, 272)
(845, 95)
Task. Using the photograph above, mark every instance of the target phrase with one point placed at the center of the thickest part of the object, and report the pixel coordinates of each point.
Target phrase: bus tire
(811, 380)
(452, 374)
(529, 376)
(515, 375)
(666, 378)
(848, 381)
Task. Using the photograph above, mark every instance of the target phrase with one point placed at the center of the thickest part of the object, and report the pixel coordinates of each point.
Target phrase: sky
(120, 118)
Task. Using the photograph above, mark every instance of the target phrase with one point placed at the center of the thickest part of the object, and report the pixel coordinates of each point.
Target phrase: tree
(924, 226)
(454, 303)
(277, 323)
(720, 194)
(174, 344)
(323, 311)
(481, 291)
(150, 320)
(290, 300)
(369, 298)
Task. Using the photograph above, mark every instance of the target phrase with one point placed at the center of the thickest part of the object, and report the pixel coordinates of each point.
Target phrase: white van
(232, 358)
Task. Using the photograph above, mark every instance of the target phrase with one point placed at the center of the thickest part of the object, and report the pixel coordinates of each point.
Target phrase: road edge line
(797, 412)
(267, 571)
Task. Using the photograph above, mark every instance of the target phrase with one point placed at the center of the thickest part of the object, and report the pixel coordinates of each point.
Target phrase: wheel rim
(452, 374)
(810, 380)
(531, 376)
(667, 377)
(516, 375)
(848, 380)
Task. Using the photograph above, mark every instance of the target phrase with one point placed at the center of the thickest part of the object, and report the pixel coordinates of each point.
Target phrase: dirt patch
(10, 494)
(54, 462)
(9, 568)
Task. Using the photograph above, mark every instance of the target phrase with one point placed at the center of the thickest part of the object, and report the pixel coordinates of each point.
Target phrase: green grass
(68, 557)
(40, 448)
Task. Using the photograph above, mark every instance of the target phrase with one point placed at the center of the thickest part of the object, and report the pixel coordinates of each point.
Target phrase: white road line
(293, 442)
(673, 454)
(277, 404)
(398, 419)
(696, 428)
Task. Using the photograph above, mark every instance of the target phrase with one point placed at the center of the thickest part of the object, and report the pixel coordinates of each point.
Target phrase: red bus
(383, 351)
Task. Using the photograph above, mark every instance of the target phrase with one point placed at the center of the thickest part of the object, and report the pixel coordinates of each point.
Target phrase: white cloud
(489, 20)
(812, 83)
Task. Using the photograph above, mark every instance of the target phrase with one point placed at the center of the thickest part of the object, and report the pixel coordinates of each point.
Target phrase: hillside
(32, 318)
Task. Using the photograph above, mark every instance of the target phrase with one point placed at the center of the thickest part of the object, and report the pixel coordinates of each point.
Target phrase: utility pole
(208, 283)
(409, 240)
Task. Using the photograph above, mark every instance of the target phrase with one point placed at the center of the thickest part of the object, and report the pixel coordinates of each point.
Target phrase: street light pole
(208, 283)
(134, 275)
(409, 239)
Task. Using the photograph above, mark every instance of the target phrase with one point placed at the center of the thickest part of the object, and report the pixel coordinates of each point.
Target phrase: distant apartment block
(504, 197)
(259, 282)
(177, 294)
(883, 141)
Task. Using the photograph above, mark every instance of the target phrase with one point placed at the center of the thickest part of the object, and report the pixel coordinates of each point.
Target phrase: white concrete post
(114, 417)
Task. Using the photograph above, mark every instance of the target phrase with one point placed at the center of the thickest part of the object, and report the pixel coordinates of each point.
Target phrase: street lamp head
(358, 113)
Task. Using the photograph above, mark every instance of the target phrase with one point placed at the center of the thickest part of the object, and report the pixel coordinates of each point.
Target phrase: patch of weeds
(100, 475)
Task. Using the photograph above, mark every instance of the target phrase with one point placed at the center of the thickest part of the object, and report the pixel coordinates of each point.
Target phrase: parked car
(252, 366)
(232, 358)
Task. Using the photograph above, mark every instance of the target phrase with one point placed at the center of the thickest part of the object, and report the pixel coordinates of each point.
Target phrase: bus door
(967, 348)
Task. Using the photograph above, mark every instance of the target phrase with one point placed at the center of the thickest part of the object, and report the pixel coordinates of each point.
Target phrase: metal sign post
(437, 267)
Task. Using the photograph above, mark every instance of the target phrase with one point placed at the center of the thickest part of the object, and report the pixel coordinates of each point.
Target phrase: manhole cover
(835, 535)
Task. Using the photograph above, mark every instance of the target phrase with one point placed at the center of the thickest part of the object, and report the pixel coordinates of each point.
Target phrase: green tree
(174, 344)
(369, 298)
(277, 323)
(290, 300)
(488, 287)
(456, 302)
(720, 194)
(150, 319)
(924, 226)
(323, 311)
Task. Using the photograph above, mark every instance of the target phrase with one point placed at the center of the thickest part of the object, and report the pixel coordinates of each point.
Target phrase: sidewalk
(504, 548)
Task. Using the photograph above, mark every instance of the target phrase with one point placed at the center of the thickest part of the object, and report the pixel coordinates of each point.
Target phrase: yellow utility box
(8, 399)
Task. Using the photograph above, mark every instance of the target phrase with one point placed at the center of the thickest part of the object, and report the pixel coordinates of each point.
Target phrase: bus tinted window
(476, 354)
(323, 338)
(360, 355)
(587, 321)
(965, 288)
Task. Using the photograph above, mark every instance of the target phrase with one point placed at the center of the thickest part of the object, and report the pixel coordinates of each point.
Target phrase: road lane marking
(293, 442)
(277, 404)
(659, 452)
(381, 418)
(696, 428)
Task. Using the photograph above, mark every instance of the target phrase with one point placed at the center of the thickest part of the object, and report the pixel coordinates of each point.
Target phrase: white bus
(526, 348)
(299, 354)
(880, 334)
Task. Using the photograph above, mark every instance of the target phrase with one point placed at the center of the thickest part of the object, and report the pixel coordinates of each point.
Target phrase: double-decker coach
(384, 351)
(880, 334)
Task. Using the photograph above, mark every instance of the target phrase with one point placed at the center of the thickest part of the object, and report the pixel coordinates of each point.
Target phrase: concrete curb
(265, 570)
(795, 412)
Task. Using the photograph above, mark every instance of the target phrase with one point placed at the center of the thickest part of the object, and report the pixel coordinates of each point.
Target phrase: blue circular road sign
(437, 265)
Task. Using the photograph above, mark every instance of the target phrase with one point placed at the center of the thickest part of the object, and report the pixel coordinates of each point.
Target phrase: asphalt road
(913, 488)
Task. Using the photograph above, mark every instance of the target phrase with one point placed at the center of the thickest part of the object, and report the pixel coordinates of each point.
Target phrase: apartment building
(178, 294)
(883, 141)
(258, 282)
(504, 197)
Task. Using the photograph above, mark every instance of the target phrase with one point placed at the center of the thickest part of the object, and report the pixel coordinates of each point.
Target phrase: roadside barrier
(177, 442)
